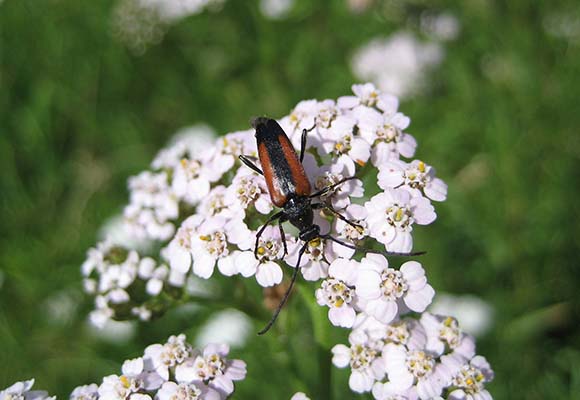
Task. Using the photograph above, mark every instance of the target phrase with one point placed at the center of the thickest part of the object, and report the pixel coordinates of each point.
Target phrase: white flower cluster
(345, 135)
(414, 359)
(397, 64)
(222, 207)
(126, 285)
(174, 370)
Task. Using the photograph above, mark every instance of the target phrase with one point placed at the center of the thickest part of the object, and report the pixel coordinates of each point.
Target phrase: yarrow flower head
(125, 284)
(207, 209)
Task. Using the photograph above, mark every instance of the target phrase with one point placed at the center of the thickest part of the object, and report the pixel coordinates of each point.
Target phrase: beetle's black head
(266, 128)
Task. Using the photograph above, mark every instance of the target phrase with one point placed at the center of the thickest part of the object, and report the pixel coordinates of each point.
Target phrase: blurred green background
(80, 113)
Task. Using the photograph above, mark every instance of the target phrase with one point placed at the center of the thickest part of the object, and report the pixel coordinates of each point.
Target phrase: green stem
(322, 338)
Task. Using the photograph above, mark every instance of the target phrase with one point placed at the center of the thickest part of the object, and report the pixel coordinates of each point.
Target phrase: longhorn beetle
(291, 191)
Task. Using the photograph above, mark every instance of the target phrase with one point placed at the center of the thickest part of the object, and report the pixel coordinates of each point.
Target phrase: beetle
(290, 190)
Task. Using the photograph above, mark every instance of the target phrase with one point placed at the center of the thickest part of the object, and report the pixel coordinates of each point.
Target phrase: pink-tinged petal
(401, 121)
(239, 234)
(227, 266)
(384, 233)
(428, 389)
(390, 177)
(375, 262)
(466, 348)
(407, 145)
(340, 355)
(452, 363)
(383, 152)
(368, 284)
(186, 373)
(388, 103)
(399, 196)
(338, 250)
(402, 243)
(360, 382)
(414, 274)
(211, 394)
(418, 301)
(263, 205)
(237, 370)
(179, 258)
(457, 394)
(360, 151)
(223, 384)
(384, 311)
(423, 211)
(216, 348)
(269, 274)
(203, 265)
(436, 190)
(347, 102)
(345, 270)
(246, 263)
(314, 270)
(483, 395)
(481, 363)
(343, 316)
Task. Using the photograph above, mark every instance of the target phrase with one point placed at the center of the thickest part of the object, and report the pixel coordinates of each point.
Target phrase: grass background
(79, 113)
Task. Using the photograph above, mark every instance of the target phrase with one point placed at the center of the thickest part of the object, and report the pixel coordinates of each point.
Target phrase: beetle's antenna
(385, 253)
(287, 294)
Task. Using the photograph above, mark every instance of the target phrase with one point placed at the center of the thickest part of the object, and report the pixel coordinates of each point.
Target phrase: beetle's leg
(282, 234)
(385, 253)
(247, 160)
(330, 187)
(303, 141)
(273, 218)
(287, 294)
(339, 215)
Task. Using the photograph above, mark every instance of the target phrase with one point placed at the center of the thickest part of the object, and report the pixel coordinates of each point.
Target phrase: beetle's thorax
(299, 212)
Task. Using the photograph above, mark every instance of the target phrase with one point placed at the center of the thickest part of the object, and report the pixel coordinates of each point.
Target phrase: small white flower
(213, 368)
(132, 382)
(474, 315)
(249, 189)
(345, 232)
(471, 379)
(188, 142)
(153, 205)
(416, 176)
(384, 288)
(179, 249)
(363, 356)
(340, 140)
(444, 335)
(407, 332)
(337, 292)
(313, 263)
(86, 392)
(21, 391)
(163, 358)
(391, 216)
(192, 179)
(265, 267)
(186, 391)
(323, 177)
(406, 368)
(385, 133)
